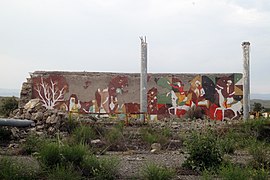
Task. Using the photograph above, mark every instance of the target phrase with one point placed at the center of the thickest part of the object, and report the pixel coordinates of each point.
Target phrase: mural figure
(106, 99)
(236, 107)
(74, 104)
(49, 92)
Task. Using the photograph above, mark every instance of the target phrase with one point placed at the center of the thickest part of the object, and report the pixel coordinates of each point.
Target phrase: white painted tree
(49, 93)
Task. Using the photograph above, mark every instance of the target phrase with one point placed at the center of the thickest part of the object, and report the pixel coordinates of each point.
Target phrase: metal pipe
(15, 122)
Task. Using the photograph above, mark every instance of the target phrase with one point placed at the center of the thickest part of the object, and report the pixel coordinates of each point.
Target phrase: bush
(204, 152)
(234, 172)
(50, 155)
(95, 168)
(114, 135)
(260, 174)
(32, 144)
(195, 113)
(11, 169)
(260, 153)
(157, 172)
(150, 135)
(71, 124)
(5, 134)
(228, 142)
(83, 134)
(8, 105)
(64, 173)
(73, 154)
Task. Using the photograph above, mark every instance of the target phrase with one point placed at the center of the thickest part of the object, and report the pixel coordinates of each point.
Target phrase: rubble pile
(46, 121)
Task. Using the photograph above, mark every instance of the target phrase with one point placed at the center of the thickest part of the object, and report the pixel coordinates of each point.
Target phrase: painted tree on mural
(50, 91)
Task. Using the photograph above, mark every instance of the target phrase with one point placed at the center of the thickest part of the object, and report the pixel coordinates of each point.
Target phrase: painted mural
(218, 96)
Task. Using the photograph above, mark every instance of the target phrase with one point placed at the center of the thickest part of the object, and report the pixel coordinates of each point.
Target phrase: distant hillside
(9, 92)
(265, 103)
(260, 96)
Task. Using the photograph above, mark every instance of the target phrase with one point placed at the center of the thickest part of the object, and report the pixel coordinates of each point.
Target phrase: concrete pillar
(143, 81)
(246, 83)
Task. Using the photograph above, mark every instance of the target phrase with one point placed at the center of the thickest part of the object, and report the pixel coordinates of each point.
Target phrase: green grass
(83, 134)
(64, 173)
(12, 169)
(95, 168)
(156, 172)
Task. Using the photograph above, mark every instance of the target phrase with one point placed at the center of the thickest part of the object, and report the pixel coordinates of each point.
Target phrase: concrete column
(143, 81)
(246, 83)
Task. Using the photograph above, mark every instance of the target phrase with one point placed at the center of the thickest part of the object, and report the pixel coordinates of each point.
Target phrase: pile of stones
(47, 122)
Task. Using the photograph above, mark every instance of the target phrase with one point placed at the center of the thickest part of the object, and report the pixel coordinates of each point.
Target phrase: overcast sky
(103, 35)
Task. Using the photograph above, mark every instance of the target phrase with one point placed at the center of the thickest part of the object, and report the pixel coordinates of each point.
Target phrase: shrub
(260, 174)
(114, 135)
(32, 144)
(83, 134)
(8, 105)
(95, 168)
(260, 153)
(150, 135)
(228, 142)
(195, 113)
(12, 169)
(234, 172)
(204, 152)
(5, 134)
(50, 155)
(64, 173)
(157, 172)
(71, 124)
(73, 154)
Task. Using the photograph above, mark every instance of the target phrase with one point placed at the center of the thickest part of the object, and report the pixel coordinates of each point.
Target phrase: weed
(157, 172)
(12, 169)
(228, 142)
(64, 173)
(71, 123)
(204, 152)
(195, 113)
(260, 174)
(32, 144)
(8, 105)
(234, 172)
(50, 155)
(95, 168)
(5, 134)
(114, 135)
(150, 135)
(83, 134)
(73, 154)
(260, 153)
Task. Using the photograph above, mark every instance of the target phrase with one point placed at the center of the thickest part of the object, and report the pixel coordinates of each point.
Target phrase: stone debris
(155, 148)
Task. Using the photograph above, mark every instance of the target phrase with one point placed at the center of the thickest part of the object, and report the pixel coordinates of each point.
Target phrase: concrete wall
(218, 96)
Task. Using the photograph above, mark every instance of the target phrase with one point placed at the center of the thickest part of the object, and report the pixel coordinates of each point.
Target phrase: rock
(38, 116)
(27, 115)
(40, 127)
(15, 132)
(13, 145)
(22, 140)
(155, 148)
(46, 114)
(32, 103)
(51, 119)
(51, 130)
(40, 133)
(55, 120)
(95, 141)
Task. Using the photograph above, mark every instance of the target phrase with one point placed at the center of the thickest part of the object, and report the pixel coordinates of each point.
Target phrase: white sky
(103, 35)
